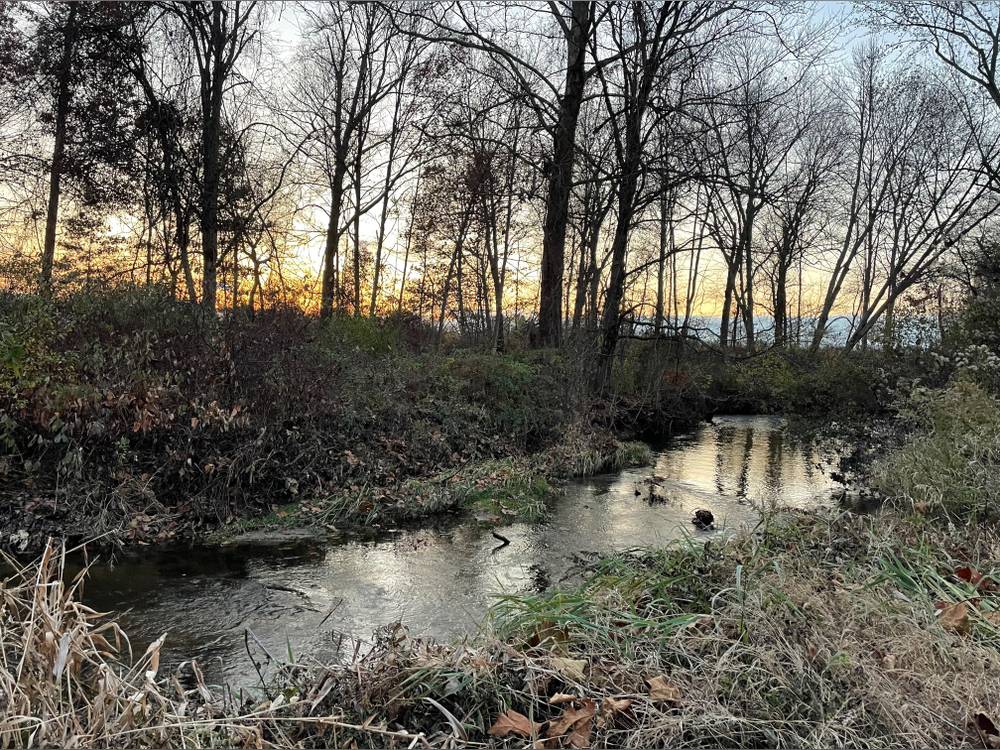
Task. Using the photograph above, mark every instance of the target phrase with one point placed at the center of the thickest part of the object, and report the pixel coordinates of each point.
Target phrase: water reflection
(439, 581)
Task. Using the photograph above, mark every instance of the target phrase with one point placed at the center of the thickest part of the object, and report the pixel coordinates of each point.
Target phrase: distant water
(915, 330)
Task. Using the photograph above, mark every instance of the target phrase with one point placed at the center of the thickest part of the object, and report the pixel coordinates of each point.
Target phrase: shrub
(799, 382)
(517, 396)
(953, 459)
(343, 333)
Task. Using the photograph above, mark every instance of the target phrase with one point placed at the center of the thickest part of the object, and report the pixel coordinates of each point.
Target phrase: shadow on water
(304, 596)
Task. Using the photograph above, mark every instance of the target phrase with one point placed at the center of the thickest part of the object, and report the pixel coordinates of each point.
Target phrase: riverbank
(812, 630)
(132, 419)
(305, 588)
(128, 418)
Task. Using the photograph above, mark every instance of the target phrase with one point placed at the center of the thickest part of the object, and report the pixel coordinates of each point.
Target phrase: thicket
(127, 411)
(128, 405)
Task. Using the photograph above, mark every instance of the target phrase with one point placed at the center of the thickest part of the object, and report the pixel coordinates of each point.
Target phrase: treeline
(588, 170)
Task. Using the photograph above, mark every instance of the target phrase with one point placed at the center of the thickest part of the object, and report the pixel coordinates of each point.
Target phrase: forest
(499, 373)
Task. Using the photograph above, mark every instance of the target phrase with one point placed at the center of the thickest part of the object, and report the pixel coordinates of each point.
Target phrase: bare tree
(657, 44)
(219, 33)
(354, 60)
(556, 108)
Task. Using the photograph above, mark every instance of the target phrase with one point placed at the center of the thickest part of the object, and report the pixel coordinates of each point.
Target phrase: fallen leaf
(571, 668)
(969, 574)
(955, 617)
(575, 724)
(559, 698)
(512, 722)
(993, 618)
(612, 706)
(547, 631)
(702, 623)
(660, 689)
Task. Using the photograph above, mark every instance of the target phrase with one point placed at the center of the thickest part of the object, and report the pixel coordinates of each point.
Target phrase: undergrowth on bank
(130, 413)
(129, 416)
(951, 462)
(812, 630)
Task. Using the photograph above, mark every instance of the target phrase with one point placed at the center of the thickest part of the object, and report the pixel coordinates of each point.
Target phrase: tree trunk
(561, 178)
(63, 99)
(781, 304)
(611, 318)
(212, 93)
(328, 299)
(661, 267)
(727, 303)
(447, 290)
(747, 249)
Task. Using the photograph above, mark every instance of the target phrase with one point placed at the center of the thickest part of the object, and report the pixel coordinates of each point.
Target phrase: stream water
(310, 596)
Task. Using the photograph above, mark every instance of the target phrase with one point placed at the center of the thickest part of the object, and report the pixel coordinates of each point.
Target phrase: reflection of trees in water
(763, 460)
(744, 475)
(724, 437)
(733, 454)
(775, 467)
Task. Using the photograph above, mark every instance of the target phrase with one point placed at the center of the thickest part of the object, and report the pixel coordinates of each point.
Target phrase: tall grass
(952, 461)
(811, 631)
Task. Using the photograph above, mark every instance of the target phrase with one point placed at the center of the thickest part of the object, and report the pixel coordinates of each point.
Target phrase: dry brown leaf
(615, 705)
(702, 623)
(559, 698)
(968, 574)
(512, 722)
(955, 617)
(575, 724)
(611, 707)
(660, 689)
(571, 668)
(993, 618)
(547, 633)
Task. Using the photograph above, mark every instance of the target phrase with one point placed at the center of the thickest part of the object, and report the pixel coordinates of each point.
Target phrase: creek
(291, 594)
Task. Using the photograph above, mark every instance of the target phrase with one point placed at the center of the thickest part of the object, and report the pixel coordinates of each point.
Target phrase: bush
(517, 395)
(953, 459)
(799, 382)
(344, 333)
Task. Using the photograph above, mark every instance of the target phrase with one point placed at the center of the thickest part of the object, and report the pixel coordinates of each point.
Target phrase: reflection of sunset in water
(439, 581)
(744, 457)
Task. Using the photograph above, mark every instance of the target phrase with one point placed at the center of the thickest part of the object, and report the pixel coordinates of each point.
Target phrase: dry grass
(60, 683)
(812, 631)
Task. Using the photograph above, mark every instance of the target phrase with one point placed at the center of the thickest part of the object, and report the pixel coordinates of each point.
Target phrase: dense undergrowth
(814, 629)
(128, 414)
(131, 411)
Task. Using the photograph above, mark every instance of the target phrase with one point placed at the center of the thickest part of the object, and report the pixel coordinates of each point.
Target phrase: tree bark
(561, 178)
(63, 99)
